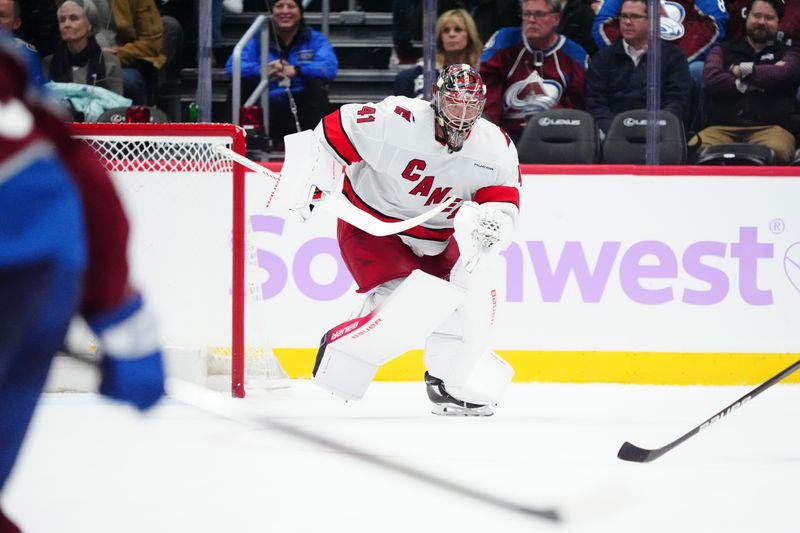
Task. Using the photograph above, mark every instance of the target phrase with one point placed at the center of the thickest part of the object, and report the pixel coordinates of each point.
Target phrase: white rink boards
(614, 264)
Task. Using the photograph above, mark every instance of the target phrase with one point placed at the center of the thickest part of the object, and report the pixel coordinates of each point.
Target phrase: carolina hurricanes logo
(531, 95)
(672, 21)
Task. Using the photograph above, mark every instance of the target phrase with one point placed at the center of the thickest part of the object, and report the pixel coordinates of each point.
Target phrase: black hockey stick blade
(631, 452)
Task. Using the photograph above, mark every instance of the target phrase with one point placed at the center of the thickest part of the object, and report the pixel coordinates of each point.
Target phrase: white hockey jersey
(396, 169)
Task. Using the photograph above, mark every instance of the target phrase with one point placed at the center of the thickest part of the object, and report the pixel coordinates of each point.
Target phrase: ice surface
(93, 466)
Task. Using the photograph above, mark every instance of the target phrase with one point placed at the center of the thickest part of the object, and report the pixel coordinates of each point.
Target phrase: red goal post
(171, 148)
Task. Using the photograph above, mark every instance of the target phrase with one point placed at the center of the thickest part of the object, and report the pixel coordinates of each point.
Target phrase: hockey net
(186, 205)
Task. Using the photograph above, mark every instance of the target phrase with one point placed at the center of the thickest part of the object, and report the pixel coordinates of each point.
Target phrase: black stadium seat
(560, 136)
(626, 140)
(736, 154)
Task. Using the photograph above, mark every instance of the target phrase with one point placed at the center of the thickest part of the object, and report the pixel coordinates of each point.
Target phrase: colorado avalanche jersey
(694, 25)
(396, 169)
(522, 80)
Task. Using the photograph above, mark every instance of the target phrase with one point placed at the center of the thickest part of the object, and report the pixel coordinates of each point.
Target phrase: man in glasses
(750, 85)
(694, 25)
(532, 68)
(617, 77)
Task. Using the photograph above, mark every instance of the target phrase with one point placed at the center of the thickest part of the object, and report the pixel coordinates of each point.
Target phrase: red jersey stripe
(497, 193)
(338, 139)
(418, 232)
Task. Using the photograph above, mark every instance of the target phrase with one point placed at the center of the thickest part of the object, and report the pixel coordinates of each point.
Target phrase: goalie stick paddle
(340, 207)
(213, 403)
(631, 452)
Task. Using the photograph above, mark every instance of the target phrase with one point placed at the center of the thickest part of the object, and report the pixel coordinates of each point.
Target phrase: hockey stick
(227, 408)
(631, 452)
(340, 207)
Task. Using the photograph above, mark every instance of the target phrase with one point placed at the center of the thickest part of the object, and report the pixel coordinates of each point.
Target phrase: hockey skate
(445, 405)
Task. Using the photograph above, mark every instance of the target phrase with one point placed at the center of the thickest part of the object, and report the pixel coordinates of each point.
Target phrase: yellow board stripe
(642, 368)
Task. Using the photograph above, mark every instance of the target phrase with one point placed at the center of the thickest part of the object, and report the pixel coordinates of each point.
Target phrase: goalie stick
(215, 404)
(340, 207)
(631, 452)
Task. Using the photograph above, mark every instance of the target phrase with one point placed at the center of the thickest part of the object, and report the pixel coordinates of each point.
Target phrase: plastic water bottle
(192, 112)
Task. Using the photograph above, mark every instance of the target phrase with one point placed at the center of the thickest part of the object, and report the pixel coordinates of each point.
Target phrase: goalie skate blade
(456, 410)
(631, 452)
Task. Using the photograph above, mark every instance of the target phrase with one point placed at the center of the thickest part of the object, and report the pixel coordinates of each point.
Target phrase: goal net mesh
(174, 184)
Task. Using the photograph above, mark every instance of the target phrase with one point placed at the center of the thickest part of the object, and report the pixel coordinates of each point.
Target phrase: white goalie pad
(353, 350)
(306, 168)
(458, 352)
(482, 379)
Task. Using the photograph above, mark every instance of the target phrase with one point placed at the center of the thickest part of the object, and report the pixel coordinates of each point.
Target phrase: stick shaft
(631, 452)
(341, 208)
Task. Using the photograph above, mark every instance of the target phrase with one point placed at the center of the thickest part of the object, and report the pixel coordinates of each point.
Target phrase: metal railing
(260, 25)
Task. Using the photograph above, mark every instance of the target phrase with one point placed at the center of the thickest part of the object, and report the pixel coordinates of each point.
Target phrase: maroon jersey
(522, 81)
(694, 25)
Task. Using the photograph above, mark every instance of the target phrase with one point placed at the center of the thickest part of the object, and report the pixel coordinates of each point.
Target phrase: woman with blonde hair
(457, 41)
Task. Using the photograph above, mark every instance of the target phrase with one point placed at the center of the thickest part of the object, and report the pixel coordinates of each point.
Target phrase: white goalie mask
(458, 99)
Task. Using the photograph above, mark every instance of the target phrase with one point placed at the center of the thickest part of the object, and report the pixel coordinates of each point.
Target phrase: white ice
(93, 466)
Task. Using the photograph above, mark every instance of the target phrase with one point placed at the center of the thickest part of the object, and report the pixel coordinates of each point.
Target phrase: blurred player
(435, 281)
(63, 238)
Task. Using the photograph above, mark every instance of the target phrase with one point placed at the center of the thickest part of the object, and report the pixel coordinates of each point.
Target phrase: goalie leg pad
(480, 380)
(404, 319)
(345, 375)
(458, 352)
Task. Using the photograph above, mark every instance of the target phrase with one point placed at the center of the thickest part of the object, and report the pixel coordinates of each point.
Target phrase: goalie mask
(458, 99)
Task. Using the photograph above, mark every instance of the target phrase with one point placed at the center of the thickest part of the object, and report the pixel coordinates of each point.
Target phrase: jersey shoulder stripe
(575, 52)
(337, 138)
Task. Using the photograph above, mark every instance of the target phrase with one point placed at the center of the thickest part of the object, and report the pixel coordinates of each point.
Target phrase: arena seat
(736, 154)
(120, 115)
(560, 136)
(626, 140)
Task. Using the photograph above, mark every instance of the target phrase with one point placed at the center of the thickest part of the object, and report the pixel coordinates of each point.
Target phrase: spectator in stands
(133, 31)
(750, 84)
(78, 58)
(531, 69)
(457, 42)
(617, 77)
(577, 17)
(10, 22)
(39, 25)
(694, 25)
(789, 28)
(9, 16)
(488, 15)
(301, 64)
